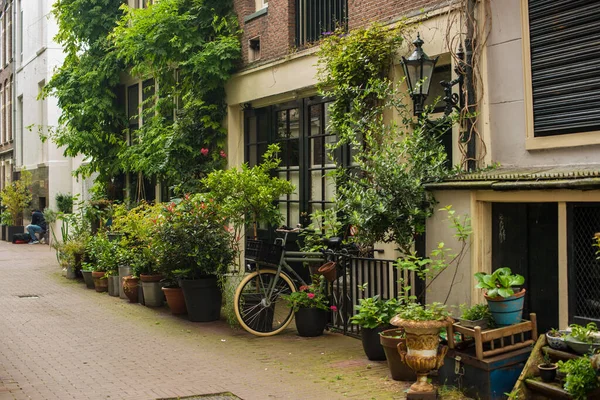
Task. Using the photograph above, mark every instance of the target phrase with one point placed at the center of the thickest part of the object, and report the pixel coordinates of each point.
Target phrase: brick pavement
(74, 343)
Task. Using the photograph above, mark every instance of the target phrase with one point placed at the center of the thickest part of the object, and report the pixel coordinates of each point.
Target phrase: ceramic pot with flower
(311, 308)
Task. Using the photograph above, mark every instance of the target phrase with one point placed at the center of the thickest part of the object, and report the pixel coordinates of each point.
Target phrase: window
(254, 49)
(133, 100)
(564, 55)
(314, 18)
(260, 4)
(301, 130)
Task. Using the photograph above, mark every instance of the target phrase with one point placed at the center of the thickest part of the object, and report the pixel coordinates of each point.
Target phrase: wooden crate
(499, 340)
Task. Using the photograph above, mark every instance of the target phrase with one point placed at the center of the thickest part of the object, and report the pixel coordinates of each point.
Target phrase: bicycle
(258, 303)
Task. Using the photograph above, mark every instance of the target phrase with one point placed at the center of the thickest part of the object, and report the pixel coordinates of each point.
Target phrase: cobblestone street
(59, 340)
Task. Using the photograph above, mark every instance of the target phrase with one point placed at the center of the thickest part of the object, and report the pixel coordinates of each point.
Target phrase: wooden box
(492, 342)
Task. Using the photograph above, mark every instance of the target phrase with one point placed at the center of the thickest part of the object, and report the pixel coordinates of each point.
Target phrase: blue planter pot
(507, 311)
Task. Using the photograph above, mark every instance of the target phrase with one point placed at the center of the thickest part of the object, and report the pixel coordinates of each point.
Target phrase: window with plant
(188, 47)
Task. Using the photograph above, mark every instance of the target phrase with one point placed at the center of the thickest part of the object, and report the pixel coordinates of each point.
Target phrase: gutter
(574, 184)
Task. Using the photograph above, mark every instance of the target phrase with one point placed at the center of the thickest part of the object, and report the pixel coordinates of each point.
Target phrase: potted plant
(133, 230)
(422, 325)
(477, 315)
(373, 316)
(15, 197)
(174, 295)
(547, 369)
(392, 340)
(191, 242)
(310, 306)
(583, 339)
(505, 305)
(324, 225)
(97, 251)
(556, 339)
(580, 377)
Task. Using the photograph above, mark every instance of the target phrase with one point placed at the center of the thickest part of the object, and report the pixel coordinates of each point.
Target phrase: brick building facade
(6, 93)
(273, 26)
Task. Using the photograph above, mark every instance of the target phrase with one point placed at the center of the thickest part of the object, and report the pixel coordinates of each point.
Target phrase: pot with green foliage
(505, 305)
(547, 368)
(477, 315)
(15, 197)
(310, 306)
(373, 316)
(580, 377)
(583, 339)
(422, 325)
(393, 341)
(192, 243)
(556, 339)
(86, 271)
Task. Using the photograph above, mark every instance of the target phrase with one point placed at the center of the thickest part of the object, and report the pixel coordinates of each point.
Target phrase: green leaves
(580, 377)
(373, 312)
(500, 283)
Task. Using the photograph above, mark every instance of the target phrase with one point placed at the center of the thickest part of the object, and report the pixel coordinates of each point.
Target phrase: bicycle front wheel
(258, 312)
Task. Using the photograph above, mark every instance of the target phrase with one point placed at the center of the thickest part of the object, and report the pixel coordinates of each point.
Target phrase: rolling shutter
(565, 65)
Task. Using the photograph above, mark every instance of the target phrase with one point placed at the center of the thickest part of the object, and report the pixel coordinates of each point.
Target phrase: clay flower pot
(175, 300)
(130, 287)
(328, 270)
(100, 282)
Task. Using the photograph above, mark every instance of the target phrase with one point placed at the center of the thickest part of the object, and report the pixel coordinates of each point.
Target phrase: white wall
(40, 56)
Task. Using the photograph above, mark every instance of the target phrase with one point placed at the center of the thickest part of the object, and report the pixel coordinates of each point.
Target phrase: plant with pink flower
(310, 296)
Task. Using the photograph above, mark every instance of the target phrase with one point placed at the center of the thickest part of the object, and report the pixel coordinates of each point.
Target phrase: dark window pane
(133, 100)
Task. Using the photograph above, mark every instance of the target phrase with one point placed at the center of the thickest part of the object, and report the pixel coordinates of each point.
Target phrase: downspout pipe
(470, 87)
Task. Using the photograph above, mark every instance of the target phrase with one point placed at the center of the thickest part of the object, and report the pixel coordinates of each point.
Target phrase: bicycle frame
(291, 256)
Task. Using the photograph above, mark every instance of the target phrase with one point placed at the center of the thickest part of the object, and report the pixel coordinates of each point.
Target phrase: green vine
(187, 47)
(383, 195)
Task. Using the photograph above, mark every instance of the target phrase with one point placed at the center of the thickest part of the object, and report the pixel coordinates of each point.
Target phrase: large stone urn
(422, 351)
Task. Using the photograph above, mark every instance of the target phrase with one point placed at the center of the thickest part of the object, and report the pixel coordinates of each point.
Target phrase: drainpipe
(471, 98)
(13, 51)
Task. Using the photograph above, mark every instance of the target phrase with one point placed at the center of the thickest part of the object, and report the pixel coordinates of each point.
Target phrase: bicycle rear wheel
(256, 311)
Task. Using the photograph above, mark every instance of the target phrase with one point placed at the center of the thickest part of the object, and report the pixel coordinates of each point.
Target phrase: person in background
(38, 225)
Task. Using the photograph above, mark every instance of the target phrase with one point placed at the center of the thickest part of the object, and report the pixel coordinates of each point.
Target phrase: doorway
(525, 239)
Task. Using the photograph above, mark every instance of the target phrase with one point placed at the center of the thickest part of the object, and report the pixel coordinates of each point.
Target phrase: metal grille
(584, 268)
(314, 17)
(565, 52)
(381, 277)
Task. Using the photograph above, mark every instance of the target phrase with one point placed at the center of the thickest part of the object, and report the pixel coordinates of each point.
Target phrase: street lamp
(418, 69)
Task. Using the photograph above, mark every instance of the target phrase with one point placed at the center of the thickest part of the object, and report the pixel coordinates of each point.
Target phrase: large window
(313, 18)
(565, 53)
(301, 129)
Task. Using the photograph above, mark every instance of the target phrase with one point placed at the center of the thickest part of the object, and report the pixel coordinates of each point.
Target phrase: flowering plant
(309, 296)
(192, 240)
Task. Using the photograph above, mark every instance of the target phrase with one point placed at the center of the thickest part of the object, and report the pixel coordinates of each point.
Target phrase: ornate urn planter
(423, 352)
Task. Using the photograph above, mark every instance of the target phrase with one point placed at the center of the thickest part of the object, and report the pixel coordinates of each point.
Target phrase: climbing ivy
(91, 122)
(187, 47)
(383, 194)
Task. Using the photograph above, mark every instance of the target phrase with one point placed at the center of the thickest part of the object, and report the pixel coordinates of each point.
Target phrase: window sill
(259, 13)
(562, 141)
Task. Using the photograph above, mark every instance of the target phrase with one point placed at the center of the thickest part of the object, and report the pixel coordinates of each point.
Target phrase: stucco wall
(40, 58)
(505, 94)
(439, 230)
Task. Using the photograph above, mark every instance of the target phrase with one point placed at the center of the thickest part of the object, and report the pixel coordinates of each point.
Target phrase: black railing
(381, 278)
(315, 17)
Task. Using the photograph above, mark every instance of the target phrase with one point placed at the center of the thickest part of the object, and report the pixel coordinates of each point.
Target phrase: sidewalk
(59, 340)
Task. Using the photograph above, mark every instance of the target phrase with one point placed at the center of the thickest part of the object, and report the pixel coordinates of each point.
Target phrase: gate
(381, 278)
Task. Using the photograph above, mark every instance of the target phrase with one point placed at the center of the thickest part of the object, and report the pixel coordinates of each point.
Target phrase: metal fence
(381, 278)
(584, 267)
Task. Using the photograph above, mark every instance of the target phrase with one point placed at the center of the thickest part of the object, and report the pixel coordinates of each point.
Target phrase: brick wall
(276, 28)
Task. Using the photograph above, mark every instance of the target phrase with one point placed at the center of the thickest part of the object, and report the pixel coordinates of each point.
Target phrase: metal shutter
(565, 65)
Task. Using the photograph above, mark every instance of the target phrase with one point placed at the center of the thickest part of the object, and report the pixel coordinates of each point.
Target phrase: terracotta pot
(391, 340)
(328, 270)
(100, 281)
(175, 300)
(130, 287)
(151, 277)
